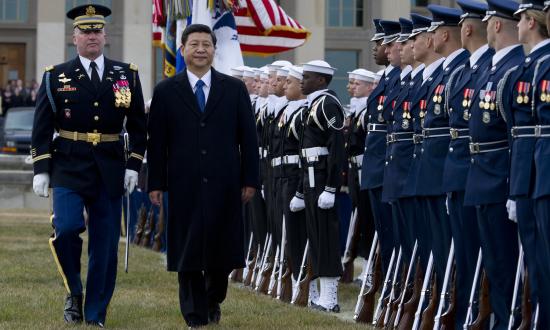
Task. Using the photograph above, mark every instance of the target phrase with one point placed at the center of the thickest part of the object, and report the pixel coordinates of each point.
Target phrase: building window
(344, 13)
(70, 4)
(344, 61)
(14, 11)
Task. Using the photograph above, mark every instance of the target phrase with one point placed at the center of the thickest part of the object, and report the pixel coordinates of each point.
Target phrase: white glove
(40, 184)
(511, 208)
(297, 204)
(447, 204)
(326, 200)
(130, 180)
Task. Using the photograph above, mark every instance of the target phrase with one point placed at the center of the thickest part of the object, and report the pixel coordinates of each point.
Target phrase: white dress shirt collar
(501, 53)
(430, 69)
(539, 45)
(388, 69)
(452, 56)
(405, 72)
(417, 70)
(206, 79)
(477, 54)
(100, 62)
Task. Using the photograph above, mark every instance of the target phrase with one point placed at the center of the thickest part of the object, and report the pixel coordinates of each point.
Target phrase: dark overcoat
(203, 159)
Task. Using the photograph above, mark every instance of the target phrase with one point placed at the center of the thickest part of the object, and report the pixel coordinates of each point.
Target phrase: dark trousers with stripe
(441, 234)
(463, 221)
(381, 213)
(542, 214)
(499, 245)
(103, 230)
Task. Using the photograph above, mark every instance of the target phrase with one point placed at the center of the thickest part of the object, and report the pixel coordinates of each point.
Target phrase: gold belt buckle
(454, 133)
(93, 138)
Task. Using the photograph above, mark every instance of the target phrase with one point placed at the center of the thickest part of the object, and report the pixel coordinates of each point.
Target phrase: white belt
(288, 159)
(357, 160)
(314, 152)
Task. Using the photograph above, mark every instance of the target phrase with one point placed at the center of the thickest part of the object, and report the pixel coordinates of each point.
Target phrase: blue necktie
(199, 94)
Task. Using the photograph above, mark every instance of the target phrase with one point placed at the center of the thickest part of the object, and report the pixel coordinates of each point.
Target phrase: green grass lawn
(32, 293)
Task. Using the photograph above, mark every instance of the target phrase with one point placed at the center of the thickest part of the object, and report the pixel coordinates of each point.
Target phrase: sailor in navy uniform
(487, 182)
(541, 193)
(435, 131)
(375, 150)
(86, 101)
(459, 91)
(364, 82)
(322, 156)
(400, 142)
(518, 103)
(423, 52)
(287, 168)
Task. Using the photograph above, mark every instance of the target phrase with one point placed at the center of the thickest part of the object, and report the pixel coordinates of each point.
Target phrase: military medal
(486, 117)
(519, 89)
(465, 115)
(526, 92)
(380, 118)
(423, 104)
(405, 124)
(437, 109)
(381, 100)
(543, 87)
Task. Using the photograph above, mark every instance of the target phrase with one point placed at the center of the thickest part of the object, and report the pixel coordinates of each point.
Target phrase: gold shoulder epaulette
(49, 68)
(133, 67)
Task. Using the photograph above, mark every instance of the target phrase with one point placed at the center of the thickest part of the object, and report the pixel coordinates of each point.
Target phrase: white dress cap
(237, 71)
(365, 75)
(278, 64)
(249, 72)
(283, 72)
(296, 72)
(319, 67)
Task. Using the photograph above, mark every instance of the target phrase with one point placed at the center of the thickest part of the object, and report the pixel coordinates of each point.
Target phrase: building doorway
(12, 62)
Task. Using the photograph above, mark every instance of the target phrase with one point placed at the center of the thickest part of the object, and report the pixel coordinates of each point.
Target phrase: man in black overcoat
(203, 150)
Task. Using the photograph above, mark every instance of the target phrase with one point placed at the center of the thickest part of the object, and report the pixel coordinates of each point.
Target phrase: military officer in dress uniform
(459, 91)
(541, 194)
(487, 182)
(322, 156)
(85, 101)
(518, 103)
(435, 131)
(372, 171)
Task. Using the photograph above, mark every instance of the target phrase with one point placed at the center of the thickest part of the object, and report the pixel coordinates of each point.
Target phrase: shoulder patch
(133, 67)
(49, 68)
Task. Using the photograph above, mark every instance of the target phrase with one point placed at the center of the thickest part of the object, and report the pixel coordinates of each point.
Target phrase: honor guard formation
(443, 154)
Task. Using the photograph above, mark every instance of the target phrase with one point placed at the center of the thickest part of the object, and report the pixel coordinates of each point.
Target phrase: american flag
(265, 29)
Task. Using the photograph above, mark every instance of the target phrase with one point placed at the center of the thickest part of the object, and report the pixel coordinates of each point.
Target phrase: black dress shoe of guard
(73, 309)
(214, 314)
(95, 324)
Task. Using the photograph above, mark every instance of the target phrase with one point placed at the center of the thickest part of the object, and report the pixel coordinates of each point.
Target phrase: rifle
(409, 309)
(365, 301)
(157, 240)
(484, 305)
(526, 308)
(267, 266)
(142, 219)
(428, 314)
(127, 245)
(273, 279)
(281, 262)
(251, 267)
(301, 295)
(444, 297)
(286, 285)
(399, 310)
(146, 238)
(246, 270)
(517, 281)
(351, 249)
(387, 309)
(378, 311)
(448, 317)
(427, 277)
(536, 318)
(258, 263)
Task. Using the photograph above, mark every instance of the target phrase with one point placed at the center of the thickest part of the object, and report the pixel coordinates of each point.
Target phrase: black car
(16, 135)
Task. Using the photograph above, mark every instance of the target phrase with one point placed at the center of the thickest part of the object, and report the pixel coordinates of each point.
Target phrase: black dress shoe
(214, 314)
(73, 309)
(95, 324)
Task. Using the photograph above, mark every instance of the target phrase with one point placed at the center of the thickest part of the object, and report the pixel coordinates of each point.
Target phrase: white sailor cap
(278, 64)
(264, 72)
(249, 72)
(296, 72)
(319, 67)
(282, 72)
(237, 71)
(365, 75)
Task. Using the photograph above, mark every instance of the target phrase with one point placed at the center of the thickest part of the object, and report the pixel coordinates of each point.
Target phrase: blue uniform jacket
(432, 157)
(487, 181)
(461, 91)
(522, 114)
(372, 171)
(542, 117)
(418, 106)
